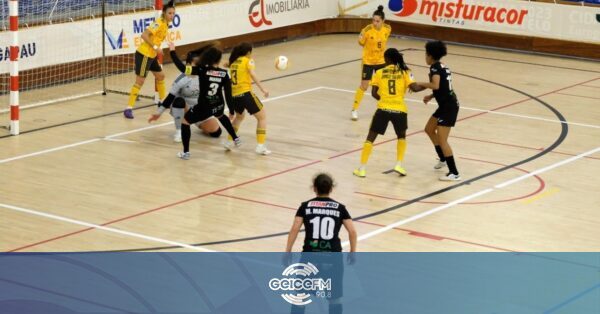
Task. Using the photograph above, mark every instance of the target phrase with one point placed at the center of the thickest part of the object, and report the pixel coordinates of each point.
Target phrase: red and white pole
(158, 6)
(13, 11)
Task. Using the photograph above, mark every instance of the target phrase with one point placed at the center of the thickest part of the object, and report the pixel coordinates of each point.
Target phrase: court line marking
(487, 111)
(104, 228)
(113, 136)
(472, 196)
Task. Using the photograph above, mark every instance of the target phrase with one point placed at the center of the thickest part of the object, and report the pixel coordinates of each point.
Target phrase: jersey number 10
(322, 228)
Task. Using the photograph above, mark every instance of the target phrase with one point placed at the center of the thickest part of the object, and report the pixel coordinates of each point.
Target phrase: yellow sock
(366, 152)
(261, 135)
(229, 138)
(400, 149)
(162, 90)
(358, 98)
(133, 95)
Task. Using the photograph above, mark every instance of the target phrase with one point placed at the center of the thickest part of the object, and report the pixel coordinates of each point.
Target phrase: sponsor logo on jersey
(323, 204)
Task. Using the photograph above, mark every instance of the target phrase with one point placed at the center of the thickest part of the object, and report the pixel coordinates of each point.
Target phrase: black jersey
(444, 95)
(323, 219)
(215, 84)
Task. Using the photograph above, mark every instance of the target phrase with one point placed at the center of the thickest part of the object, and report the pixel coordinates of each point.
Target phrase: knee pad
(179, 103)
(216, 133)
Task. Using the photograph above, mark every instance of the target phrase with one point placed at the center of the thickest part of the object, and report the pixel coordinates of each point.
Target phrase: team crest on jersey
(322, 204)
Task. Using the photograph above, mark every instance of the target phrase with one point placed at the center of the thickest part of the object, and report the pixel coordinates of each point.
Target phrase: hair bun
(380, 8)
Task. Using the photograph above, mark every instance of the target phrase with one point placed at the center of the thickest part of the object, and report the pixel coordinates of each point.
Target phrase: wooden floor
(107, 183)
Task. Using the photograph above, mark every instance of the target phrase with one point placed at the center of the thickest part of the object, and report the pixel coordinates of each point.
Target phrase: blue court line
(571, 299)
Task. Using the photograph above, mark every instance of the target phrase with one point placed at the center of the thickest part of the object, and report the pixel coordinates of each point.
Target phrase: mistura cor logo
(442, 10)
(301, 285)
(260, 9)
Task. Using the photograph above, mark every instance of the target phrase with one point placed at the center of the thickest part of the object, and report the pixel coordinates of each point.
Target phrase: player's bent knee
(216, 133)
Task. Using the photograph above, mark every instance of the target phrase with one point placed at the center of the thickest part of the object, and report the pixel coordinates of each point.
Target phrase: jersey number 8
(322, 228)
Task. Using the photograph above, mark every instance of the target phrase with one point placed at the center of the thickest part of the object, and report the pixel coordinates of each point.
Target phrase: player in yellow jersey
(389, 86)
(241, 68)
(373, 38)
(145, 57)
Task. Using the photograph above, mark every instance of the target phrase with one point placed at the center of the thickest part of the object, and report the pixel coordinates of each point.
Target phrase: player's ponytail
(393, 56)
(379, 12)
(323, 184)
(239, 51)
(170, 4)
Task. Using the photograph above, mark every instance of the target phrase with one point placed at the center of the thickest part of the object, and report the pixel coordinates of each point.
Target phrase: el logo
(258, 17)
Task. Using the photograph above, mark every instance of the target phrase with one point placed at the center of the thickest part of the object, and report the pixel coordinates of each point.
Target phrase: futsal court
(83, 178)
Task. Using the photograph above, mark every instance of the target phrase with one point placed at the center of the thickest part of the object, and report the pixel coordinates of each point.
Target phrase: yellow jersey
(392, 83)
(374, 42)
(241, 81)
(158, 33)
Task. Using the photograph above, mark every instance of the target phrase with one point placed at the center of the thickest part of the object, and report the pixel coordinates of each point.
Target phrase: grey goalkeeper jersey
(186, 87)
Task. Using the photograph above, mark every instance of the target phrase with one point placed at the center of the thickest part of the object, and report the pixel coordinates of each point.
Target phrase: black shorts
(446, 115)
(369, 70)
(247, 101)
(381, 118)
(202, 112)
(144, 63)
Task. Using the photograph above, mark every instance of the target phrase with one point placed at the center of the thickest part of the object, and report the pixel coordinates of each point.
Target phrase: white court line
(472, 196)
(488, 111)
(109, 229)
(110, 137)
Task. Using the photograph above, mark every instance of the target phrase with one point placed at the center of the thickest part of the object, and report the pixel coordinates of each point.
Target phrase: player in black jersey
(438, 126)
(215, 89)
(323, 218)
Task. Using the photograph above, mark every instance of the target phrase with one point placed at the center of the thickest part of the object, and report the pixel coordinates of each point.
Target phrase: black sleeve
(228, 94)
(301, 211)
(168, 101)
(344, 214)
(188, 70)
(435, 69)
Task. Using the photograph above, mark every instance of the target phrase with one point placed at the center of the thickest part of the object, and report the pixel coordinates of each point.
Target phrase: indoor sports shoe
(354, 115)
(184, 156)
(399, 170)
(128, 113)
(439, 165)
(261, 149)
(360, 172)
(228, 145)
(238, 142)
(177, 137)
(450, 177)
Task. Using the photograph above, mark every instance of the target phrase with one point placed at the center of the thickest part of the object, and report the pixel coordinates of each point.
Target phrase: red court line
(582, 96)
(518, 146)
(410, 232)
(269, 176)
(540, 188)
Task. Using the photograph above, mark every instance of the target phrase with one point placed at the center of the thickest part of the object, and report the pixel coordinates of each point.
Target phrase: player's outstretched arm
(188, 70)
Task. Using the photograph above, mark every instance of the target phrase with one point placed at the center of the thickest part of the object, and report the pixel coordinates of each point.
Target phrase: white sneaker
(354, 115)
(440, 165)
(177, 137)
(229, 145)
(238, 142)
(450, 177)
(261, 149)
(184, 156)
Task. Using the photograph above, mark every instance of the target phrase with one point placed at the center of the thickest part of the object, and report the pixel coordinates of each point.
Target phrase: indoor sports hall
(79, 177)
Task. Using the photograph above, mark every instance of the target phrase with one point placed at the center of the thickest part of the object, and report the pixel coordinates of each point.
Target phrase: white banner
(535, 19)
(61, 43)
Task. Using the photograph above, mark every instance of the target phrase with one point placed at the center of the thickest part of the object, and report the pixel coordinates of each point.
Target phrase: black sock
(451, 165)
(438, 150)
(298, 309)
(186, 134)
(228, 126)
(335, 308)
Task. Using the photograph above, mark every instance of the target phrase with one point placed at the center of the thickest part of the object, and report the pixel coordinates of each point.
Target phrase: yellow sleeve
(388, 31)
(153, 28)
(251, 65)
(409, 78)
(376, 78)
(362, 39)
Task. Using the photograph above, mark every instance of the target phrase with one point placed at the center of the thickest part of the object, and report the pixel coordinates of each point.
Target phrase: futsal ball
(281, 63)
